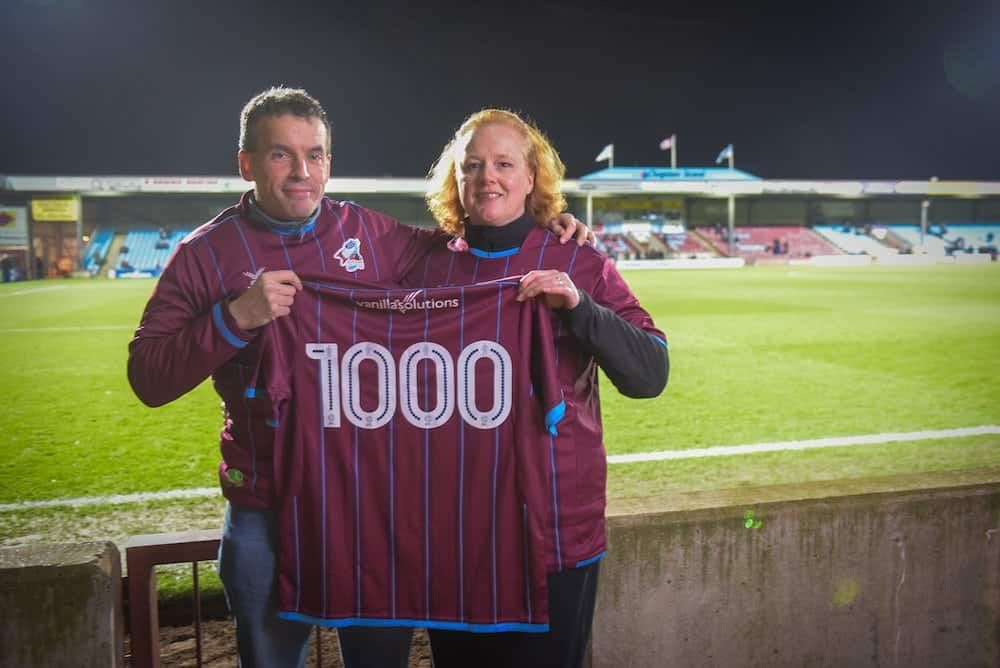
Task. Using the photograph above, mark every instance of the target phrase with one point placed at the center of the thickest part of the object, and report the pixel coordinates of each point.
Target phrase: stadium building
(653, 216)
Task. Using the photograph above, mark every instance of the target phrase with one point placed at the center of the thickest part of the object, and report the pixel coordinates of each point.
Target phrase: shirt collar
(282, 227)
(495, 239)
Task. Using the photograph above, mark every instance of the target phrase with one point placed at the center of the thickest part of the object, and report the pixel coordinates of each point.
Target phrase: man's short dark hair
(279, 101)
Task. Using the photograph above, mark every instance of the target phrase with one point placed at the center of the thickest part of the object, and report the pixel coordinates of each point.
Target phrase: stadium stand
(97, 250)
(651, 240)
(687, 244)
(617, 245)
(910, 234)
(646, 245)
(757, 243)
(944, 240)
(981, 238)
(853, 240)
(146, 251)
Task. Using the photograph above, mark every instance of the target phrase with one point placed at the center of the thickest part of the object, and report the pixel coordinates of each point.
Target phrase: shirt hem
(523, 627)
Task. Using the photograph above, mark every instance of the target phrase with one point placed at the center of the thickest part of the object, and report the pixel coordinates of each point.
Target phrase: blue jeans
(248, 568)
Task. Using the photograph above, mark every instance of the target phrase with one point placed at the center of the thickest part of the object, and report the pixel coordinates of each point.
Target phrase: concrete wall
(60, 605)
(899, 572)
(902, 571)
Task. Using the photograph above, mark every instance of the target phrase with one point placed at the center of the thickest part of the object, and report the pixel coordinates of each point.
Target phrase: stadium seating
(653, 245)
(854, 241)
(756, 243)
(616, 245)
(687, 244)
(97, 250)
(953, 237)
(987, 234)
(148, 251)
(932, 245)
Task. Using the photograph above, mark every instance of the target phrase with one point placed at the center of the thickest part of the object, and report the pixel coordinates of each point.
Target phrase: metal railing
(142, 555)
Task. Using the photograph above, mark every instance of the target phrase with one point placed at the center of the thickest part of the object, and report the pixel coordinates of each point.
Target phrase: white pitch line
(115, 499)
(870, 439)
(718, 451)
(81, 328)
(33, 290)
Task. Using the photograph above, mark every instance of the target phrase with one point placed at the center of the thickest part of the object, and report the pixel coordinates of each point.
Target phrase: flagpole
(611, 160)
(732, 223)
(673, 151)
(732, 205)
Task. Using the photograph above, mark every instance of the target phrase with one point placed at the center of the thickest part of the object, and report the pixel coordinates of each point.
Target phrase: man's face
(289, 165)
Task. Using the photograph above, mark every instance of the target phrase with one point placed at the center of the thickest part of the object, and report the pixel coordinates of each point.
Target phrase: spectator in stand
(784, 247)
(65, 265)
(990, 246)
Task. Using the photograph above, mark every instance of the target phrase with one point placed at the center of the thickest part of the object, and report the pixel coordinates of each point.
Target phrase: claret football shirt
(577, 463)
(413, 489)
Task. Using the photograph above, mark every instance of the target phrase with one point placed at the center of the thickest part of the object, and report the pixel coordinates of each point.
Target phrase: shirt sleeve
(186, 333)
(620, 334)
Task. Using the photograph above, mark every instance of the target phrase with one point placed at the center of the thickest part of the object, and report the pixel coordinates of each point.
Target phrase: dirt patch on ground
(218, 647)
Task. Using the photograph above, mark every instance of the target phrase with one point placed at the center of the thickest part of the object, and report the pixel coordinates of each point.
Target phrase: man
(226, 281)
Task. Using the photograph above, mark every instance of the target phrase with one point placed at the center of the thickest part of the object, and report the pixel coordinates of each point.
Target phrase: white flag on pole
(724, 154)
(667, 143)
(607, 153)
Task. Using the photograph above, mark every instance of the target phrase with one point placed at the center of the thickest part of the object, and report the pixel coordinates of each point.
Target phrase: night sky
(840, 90)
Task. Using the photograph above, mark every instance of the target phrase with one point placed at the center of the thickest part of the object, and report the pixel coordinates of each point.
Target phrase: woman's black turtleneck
(636, 363)
(493, 238)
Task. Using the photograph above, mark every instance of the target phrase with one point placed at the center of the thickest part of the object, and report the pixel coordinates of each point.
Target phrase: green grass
(758, 354)
(781, 353)
(627, 481)
(72, 425)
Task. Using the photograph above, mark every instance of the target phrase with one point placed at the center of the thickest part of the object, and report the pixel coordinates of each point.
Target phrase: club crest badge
(253, 275)
(349, 256)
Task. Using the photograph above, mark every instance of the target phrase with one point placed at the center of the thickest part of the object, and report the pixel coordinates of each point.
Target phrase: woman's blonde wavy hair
(545, 201)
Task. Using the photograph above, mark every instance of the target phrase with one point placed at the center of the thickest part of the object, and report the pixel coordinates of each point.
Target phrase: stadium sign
(55, 209)
(13, 226)
(610, 186)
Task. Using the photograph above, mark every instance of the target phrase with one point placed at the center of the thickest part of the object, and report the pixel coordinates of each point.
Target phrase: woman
(492, 182)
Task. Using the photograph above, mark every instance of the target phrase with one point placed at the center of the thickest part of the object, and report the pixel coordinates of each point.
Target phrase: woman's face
(494, 179)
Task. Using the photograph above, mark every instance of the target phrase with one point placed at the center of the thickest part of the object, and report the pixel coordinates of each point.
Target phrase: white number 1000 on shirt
(340, 382)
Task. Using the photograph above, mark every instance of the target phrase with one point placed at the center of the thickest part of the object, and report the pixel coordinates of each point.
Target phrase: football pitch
(761, 354)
